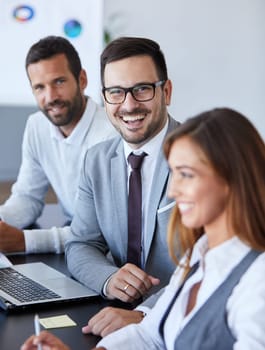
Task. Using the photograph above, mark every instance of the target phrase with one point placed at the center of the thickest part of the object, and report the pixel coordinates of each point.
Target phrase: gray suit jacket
(100, 220)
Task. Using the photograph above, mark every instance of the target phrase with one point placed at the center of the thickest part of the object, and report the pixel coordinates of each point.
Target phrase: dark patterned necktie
(135, 210)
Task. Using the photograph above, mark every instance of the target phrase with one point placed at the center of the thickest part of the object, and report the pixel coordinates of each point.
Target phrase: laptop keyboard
(23, 288)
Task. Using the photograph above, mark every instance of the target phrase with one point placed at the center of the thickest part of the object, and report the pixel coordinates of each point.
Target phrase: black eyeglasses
(140, 92)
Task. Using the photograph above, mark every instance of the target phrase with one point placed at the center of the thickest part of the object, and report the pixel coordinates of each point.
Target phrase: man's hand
(47, 340)
(130, 283)
(110, 319)
(11, 239)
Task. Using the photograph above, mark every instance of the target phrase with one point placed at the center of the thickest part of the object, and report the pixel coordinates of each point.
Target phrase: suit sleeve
(86, 249)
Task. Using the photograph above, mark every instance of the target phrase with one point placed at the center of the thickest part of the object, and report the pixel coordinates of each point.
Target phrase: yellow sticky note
(57, 322)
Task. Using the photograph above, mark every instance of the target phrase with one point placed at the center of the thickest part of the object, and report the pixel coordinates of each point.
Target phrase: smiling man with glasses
(136, 92)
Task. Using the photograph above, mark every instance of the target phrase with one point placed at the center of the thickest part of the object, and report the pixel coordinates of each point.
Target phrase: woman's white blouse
(245, 306)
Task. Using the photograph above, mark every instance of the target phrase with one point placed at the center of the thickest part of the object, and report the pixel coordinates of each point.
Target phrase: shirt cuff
(46, 240)
(104, 289)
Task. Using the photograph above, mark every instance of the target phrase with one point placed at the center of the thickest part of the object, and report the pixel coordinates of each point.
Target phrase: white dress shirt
(50, 158)
(245, 306)
(151, 148)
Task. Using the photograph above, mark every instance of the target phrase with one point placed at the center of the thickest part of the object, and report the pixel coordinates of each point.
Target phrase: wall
(215, 50)
(13, 119)
(26, 23)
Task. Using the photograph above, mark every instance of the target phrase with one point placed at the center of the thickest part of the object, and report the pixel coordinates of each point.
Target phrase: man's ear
(82, 80)
(168, 91)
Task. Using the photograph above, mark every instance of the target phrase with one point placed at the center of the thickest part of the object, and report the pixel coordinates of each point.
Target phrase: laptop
(34, 284)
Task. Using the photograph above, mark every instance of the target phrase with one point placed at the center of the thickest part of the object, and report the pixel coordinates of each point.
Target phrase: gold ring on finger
(126, 287)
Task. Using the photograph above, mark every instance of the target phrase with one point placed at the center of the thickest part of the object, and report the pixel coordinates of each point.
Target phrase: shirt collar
(151, 148)
(216, 257)
(199, 250)
(80, 130)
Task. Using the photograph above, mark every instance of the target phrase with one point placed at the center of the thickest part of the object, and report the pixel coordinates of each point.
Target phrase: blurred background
(215, 51)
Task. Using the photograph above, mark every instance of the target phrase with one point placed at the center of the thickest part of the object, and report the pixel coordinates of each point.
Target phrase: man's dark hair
(125, 47)
(54, 45)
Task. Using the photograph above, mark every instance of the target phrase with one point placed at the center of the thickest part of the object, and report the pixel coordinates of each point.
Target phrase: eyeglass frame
(130, 89)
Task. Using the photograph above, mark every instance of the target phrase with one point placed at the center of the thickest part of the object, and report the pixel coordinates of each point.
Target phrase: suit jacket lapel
(159, 182)
(119, 195)
(158, 190)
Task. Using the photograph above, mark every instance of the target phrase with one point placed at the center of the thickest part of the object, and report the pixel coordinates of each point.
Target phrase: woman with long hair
(216, 297)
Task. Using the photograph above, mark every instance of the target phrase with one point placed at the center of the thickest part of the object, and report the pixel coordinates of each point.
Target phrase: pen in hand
(37, 328)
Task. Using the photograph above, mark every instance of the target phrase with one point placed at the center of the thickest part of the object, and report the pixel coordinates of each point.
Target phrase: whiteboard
(24, 23)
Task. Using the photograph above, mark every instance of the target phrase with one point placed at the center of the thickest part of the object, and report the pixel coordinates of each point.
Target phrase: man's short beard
(74, 110)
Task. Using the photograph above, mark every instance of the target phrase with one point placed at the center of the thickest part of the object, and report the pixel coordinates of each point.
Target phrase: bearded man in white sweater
(54, 143)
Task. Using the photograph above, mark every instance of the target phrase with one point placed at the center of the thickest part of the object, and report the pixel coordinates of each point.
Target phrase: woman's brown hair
(236, 152)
